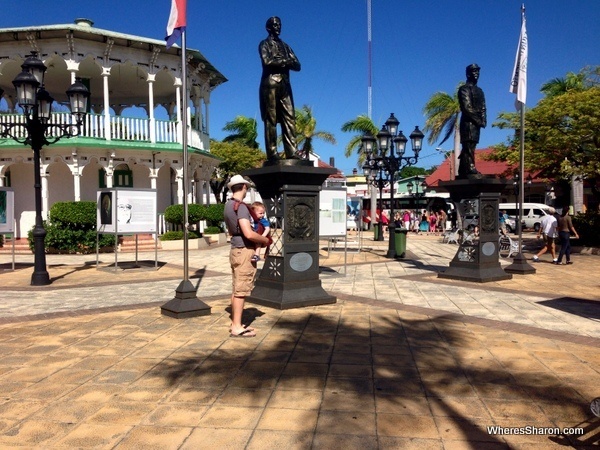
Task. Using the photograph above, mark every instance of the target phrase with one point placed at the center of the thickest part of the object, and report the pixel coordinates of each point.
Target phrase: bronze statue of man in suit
(473, 117)
(276, 100)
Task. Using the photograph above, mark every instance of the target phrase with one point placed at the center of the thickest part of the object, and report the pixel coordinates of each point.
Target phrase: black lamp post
(384, 159)
(37, 107)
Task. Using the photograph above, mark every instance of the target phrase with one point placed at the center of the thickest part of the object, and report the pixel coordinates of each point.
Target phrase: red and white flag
(177, 22)
(518, 84)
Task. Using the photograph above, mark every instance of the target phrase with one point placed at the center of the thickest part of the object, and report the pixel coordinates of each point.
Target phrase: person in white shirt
(548, 227)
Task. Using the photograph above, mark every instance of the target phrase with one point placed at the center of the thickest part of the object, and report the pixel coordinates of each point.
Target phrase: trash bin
(375, 231)
(400, 242)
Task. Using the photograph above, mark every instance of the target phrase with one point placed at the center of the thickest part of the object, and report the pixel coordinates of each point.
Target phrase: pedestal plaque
(477, 257)
(290, 275)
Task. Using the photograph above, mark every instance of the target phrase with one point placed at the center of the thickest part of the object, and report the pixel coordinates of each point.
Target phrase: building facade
(132, 135)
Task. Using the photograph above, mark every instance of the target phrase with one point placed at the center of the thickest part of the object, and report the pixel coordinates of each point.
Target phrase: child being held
(261, 225)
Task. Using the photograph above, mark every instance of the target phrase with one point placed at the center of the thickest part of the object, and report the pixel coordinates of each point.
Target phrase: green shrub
(71, 228)
(587, 226)
(213, 214)
(212, 230)
(174, 214)
(178, 235)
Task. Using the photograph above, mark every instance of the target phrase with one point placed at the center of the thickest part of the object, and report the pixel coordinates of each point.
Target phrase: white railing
(121, 128)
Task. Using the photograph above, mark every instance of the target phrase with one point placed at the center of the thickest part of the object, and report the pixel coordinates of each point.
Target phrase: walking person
(243, 242)
(406, 219)
(433, 223)
(565, 228)
(424, 223)
(548, 230)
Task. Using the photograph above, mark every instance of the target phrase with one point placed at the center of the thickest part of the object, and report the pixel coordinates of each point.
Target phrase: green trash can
(375, 231)
(400, 242)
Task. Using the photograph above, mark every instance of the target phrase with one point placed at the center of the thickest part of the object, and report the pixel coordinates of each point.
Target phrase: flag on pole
(518, 84)
(176, 24)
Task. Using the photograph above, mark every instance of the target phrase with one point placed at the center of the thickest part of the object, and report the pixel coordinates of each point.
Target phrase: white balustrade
(122, 128)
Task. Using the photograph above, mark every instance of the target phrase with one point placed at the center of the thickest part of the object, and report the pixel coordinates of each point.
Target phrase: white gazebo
(133, 133)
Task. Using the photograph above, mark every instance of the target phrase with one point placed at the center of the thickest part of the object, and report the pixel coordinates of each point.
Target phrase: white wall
(60, 183)
(21, 176)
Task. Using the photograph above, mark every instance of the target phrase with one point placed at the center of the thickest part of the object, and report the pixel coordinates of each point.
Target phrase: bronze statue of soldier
(275, 92)
(473, 117)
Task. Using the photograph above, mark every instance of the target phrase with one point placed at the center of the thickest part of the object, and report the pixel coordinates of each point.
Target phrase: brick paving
(402, 360)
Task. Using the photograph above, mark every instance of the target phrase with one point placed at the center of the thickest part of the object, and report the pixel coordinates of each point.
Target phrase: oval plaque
(301, 262)
(488, 248)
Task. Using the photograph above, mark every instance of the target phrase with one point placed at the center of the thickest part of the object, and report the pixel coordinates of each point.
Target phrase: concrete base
(290, 294)
(477, 257)
(185, 304)
(520, 266)
(457, 271)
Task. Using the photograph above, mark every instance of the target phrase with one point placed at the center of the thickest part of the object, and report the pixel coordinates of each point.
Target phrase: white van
(532, 213)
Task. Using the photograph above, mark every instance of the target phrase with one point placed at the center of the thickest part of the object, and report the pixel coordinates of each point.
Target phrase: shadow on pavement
(405, 377)
(589, 309)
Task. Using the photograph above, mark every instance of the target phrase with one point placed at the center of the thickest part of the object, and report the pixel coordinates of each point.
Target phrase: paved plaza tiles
(402, 360)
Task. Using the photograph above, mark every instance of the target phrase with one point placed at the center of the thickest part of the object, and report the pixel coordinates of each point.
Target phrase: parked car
(532, 213)
(470, 221)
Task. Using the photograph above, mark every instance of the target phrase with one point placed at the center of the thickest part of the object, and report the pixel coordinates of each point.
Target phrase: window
(101, 178)
(123, 178)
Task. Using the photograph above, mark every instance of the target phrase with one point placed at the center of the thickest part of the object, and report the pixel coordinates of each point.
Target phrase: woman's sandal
(244, 334)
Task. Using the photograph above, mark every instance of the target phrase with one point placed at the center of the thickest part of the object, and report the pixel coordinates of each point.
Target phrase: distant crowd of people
(419, 221)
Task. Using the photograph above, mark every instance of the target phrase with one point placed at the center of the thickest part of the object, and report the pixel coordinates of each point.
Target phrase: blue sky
(419, 48)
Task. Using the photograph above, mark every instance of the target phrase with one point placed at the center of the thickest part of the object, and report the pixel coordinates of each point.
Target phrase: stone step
(21, 246)
(145, 243)
(126, 244)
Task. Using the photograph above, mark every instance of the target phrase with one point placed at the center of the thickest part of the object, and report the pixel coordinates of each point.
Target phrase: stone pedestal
(290, 275)
(477, 257)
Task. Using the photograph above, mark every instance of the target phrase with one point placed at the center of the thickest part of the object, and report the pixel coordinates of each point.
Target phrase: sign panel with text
(125, 211)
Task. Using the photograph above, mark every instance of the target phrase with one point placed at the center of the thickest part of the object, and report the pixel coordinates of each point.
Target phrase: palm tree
(244, 130)
(361, 125)
(442, 113)
(305, 131)
(572, 82)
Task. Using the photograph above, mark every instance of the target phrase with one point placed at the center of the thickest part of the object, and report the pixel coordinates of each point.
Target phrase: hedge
(178, 235)
(213, 214)
(587, 226)
(71, 228)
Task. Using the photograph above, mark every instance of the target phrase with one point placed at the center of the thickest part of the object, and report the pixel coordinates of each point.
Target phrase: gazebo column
(76, 176)
(105, 75)
(178, 109)
(207, 116)
(110, 171)
(153, 178)
(44, 192)
(179, 179)
(198, 110)
(152, 120)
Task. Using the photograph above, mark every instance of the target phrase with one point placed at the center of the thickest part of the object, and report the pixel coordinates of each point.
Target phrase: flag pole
(185, 303)
(184, 143)
(520, 264)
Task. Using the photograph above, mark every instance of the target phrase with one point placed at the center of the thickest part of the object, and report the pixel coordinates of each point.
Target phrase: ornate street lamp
(410, 186)
(36, 103)
(384, 159)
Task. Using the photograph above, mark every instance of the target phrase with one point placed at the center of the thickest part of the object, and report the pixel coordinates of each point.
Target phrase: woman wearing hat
(243, 242)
